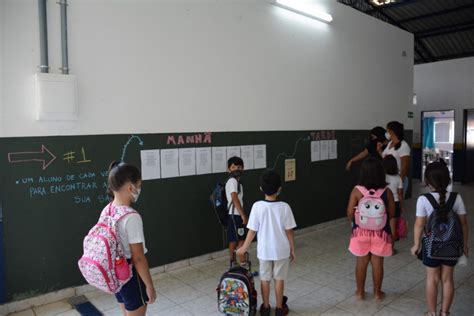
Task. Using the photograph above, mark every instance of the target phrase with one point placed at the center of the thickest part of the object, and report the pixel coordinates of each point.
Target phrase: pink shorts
(377, 242)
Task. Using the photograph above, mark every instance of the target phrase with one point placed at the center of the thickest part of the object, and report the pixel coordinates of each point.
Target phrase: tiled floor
(321, 281)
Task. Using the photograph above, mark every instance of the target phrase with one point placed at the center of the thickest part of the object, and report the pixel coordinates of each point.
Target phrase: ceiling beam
(453, 28)
(454, 56)
(422, 50)
(438, 13)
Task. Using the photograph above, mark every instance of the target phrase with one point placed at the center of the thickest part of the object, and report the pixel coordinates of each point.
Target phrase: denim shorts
(237, 232)
(133, 293)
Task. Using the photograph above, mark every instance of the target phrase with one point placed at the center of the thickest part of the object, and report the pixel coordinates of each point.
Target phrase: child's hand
(245, 219)
(151, 293)
(292, 256)
(415, 250)
(348, 166)
(240, 252)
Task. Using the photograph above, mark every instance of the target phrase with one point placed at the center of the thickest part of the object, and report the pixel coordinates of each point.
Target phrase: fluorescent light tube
(305, 9)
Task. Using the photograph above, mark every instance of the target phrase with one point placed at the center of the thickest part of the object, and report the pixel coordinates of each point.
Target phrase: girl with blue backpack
(371, 206)
(440, 235)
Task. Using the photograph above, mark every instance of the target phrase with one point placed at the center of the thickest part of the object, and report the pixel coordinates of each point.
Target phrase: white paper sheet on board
(260, 156)
(219, 161)
(203, 160)
(333, 149)
(233, 151)
(315, 151)
(324, 150)
(150, 160)
(246, 153)
(169, 163)
(187, 161)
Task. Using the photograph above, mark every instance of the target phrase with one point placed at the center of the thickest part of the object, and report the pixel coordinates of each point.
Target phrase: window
(443, 132)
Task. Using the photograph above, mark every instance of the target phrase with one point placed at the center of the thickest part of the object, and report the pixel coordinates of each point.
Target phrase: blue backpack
(443, 238)
(219, 202)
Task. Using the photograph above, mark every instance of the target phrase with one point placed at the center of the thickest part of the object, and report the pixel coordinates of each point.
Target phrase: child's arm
(352, 204)
(400, 199)
(465, 233)
(290, 233)
(418, 230)
(238, 207)
(391, 204)
(141, 264)
(242, 250)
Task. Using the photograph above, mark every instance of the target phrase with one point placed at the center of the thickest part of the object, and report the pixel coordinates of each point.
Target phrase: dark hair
(270, 182)
(237, 161)
(390, 165)
(398, 129)
(379, 133)
(121, 173)
(372, 174)
(437, 176)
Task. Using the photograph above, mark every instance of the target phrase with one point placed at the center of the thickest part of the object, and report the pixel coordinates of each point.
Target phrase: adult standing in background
(398, 148)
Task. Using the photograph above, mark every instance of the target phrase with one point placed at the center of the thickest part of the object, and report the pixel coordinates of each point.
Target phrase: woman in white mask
(398, 148)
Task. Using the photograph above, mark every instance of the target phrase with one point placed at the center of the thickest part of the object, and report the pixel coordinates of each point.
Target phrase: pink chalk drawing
(44, 155)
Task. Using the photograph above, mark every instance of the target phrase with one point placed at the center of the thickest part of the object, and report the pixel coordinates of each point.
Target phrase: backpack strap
(372, 193)
(449, 203)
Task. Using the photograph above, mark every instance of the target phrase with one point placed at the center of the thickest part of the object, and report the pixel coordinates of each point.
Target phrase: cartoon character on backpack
(370, 213)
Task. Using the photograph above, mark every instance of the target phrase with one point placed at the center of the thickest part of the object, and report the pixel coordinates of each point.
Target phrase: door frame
(421, 135)
(464, 141)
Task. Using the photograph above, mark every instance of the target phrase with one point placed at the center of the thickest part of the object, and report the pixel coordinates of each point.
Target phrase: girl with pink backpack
(114, 249)
(370, 208)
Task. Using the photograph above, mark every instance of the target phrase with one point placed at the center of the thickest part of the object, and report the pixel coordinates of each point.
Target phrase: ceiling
(443, 29)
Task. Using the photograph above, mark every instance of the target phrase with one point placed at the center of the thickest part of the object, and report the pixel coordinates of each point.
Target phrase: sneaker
(285, 308)
(279, 312)
(265, 311)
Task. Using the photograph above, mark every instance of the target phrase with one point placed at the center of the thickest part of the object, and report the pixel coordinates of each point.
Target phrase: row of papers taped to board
(179, 162)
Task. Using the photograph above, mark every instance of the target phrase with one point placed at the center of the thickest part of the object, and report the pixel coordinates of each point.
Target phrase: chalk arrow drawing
(44, 156)
(124, 150)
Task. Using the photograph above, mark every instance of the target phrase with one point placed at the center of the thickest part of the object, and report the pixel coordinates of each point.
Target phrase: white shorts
(277, 270)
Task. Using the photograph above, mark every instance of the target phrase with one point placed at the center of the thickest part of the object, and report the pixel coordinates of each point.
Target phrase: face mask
(135, 195)
(237, 173)
(387, 135)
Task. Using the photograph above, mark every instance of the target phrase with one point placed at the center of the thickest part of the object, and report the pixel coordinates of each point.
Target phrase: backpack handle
(370, 193)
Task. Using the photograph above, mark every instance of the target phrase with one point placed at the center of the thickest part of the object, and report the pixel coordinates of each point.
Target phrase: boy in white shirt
(273, 222)
(235, 194)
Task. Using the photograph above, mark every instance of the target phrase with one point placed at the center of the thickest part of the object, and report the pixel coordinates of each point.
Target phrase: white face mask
(135, 195)
(387, 135)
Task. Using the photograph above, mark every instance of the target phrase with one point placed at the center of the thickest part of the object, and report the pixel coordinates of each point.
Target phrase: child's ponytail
(437, 176)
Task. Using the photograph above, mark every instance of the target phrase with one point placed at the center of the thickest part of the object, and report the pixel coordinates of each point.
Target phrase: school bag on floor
(443, 240)
(103, 264)
(370, 213)
(236, 293)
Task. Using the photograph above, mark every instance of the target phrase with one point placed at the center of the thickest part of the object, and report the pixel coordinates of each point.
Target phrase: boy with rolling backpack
(227, 200)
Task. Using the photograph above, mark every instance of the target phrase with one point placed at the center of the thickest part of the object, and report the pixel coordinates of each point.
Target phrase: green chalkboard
(52, 190)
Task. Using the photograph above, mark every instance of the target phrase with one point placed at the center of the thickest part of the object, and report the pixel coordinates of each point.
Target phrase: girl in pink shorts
(368, 245)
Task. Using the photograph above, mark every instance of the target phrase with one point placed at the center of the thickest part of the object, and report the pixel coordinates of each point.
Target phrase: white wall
(221, 65)
(445, 85)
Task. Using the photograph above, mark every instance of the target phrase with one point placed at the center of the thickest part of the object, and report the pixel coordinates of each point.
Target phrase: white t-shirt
(270, 219)
(403, 151)
(394, 183)
(424, 208)
(230, 187)
(131, 232)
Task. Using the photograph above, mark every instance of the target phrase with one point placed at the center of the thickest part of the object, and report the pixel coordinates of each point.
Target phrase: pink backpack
(103, 252)
(370, 213)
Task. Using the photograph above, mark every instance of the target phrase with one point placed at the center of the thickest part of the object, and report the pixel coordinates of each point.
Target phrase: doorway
(469, 145)
(437, 132)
